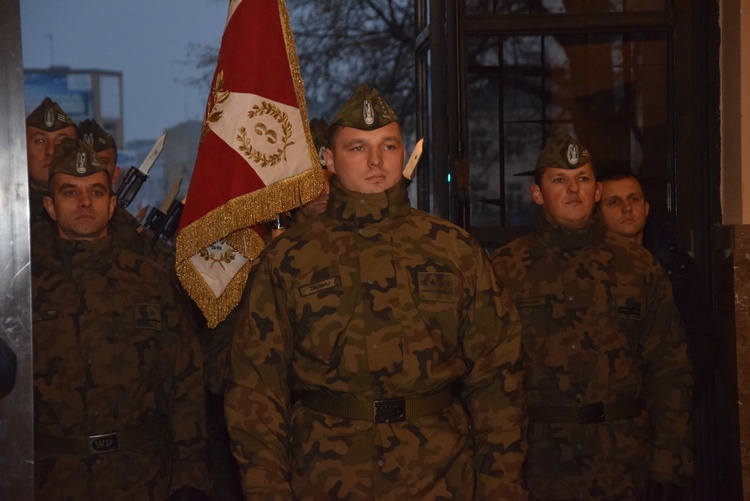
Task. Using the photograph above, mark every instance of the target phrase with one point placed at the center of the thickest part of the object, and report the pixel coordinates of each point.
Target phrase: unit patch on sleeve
(434, 286)
(147, 316)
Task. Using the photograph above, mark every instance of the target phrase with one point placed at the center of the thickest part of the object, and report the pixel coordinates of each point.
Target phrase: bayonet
(135, 178)
(413, 160)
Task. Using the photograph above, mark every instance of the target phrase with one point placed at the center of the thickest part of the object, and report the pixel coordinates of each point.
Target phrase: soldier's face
(40, 145)
(624, 208)
(367, 161)
(109, 159)
(568, 197)
(81, 206)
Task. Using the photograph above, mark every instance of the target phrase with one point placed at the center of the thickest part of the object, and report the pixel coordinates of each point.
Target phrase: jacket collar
(553, 235)
(360, 209)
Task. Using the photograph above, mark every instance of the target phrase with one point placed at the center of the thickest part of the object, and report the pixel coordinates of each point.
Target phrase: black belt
(584, 414)
(100, 444)
(391, 410)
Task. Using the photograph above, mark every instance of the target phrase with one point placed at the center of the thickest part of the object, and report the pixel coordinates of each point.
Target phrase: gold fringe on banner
(242, 212)
(216, 309)
(248, 210)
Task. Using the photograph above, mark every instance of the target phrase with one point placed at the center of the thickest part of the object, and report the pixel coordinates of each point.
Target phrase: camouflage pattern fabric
(599, 325)
(376, 300)
(113, 351)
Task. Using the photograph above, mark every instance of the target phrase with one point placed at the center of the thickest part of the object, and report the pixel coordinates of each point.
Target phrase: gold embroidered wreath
(258, 157)
(218, 257)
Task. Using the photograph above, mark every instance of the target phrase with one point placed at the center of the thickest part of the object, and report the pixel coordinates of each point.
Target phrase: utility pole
(51, 39)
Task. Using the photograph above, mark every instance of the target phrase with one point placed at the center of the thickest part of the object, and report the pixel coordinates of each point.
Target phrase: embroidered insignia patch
(308, 289)
(436, 286)
(81, 161)
(628, 307)
(368, 113)
(572, 155)
(147, 316)
(49, 117)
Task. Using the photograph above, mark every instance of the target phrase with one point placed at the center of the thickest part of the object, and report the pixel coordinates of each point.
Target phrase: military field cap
(365, 110)
(49, 117)
(319, 131)
(75, 157)
(563, 152)
(90, 132)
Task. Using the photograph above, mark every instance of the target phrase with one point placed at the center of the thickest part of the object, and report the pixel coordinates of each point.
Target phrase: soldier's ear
(112, 205)
(536, 194)
(328, 157)
(116, 173)
(49, 206)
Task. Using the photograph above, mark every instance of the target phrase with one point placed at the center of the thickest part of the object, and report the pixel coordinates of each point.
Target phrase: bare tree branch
(341, 44)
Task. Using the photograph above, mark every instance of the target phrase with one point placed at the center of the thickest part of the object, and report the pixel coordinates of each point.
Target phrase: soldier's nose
(85, 200)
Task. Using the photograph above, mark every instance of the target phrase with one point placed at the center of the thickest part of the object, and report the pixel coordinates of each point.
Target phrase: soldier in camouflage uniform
(389, 327)
(607, 370)
(624, 210)
(118, 382)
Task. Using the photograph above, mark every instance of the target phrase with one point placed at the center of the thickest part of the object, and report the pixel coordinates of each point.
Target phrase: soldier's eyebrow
(66, 185)
(354, 142)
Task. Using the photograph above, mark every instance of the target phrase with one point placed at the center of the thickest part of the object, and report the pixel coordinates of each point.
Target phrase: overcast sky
(147, 40)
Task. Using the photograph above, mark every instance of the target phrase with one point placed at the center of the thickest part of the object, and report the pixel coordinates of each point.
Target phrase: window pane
(609, 90)
(508, 7)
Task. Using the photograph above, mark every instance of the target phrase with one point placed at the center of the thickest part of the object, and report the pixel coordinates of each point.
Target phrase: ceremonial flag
(255, 160)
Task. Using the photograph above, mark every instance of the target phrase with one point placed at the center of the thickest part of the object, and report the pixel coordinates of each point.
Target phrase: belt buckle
(392, 410)
(101, 444)
(591, 413)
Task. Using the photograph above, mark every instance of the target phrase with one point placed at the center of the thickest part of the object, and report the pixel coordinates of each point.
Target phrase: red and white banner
(255, 159)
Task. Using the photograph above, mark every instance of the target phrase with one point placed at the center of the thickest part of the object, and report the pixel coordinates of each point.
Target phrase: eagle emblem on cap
(81, 162)
(88, 138)
(572, 155)
(368, 113)
(49, 117)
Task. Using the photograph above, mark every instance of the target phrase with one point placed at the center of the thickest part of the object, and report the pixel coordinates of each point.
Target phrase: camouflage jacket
(599, 325)
(113, 352)
(376, 300)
